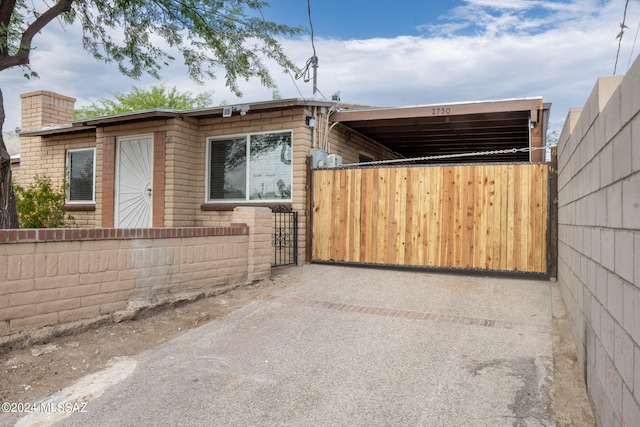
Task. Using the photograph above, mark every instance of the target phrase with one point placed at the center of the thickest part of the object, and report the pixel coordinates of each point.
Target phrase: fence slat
(473, 216)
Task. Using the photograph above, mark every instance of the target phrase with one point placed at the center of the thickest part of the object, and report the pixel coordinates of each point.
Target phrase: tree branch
(6, 11)
(21, 57)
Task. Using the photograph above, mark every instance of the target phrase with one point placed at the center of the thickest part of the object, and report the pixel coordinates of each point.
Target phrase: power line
(634, 46)
(309, 71)
(311, 26)
(293, 79)
(314, 58)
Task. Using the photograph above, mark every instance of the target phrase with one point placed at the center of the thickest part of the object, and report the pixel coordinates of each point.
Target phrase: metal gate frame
(284, 238)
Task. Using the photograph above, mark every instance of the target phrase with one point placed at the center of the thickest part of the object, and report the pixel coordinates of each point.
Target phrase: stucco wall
(599, 243)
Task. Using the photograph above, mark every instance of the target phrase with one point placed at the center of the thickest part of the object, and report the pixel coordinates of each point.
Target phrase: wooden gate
(484, 216)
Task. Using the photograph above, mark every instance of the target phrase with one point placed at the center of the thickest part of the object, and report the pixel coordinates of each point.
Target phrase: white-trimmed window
(254, 167)
(81, 175)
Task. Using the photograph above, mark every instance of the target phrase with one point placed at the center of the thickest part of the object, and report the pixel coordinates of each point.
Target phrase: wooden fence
(486, 216)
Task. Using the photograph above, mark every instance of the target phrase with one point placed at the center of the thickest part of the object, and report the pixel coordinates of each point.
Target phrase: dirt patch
(32, 373)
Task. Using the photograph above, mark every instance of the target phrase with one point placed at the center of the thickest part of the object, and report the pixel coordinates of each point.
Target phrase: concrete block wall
(53, 277)
(259, 221)
(599, 243)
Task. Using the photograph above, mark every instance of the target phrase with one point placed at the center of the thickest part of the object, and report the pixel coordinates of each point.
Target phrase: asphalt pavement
(344, 346)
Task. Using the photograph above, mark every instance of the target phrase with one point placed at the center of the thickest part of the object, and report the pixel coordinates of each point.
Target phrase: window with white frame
(81, 175)
(254, 167)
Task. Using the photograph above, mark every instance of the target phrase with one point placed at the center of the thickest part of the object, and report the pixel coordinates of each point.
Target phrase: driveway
(345, 346)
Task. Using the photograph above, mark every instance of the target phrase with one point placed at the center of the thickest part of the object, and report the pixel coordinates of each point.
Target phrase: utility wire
(309, 72)
(619, 36)
(311, 26)
(306, 72)
(634, 46)
(293, 79)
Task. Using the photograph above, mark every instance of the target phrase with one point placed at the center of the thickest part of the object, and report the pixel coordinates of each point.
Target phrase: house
(161, 168)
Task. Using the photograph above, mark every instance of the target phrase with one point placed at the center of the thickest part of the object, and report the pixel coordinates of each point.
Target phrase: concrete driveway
(346, 346)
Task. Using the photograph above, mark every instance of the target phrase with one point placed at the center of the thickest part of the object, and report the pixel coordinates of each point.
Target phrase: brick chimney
(42, 108)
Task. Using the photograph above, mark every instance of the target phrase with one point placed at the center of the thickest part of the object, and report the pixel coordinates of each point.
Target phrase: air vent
(227, 111)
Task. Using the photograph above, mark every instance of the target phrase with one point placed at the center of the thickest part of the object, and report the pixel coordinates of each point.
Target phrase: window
(254, 167)
(81, 175)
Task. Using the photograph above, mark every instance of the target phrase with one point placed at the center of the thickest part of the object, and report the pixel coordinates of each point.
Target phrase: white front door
(134, 178)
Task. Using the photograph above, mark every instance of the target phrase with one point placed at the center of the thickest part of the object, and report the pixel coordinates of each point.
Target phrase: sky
(390, 53)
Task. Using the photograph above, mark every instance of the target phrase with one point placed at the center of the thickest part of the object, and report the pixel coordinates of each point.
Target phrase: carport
(472, 194)
(440, 129)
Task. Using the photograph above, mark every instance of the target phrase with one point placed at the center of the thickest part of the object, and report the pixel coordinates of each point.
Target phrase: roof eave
(84, 125)
(58, 130)
(258, 106)
(525, 104)
(128, 117)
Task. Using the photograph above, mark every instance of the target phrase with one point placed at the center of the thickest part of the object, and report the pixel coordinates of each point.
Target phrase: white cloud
(496, 17)
(507, 49)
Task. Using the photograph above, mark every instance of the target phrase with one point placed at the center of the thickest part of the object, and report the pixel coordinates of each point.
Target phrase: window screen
(80, 175)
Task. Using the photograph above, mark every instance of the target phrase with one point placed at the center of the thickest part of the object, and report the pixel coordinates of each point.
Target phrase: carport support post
(259, 255)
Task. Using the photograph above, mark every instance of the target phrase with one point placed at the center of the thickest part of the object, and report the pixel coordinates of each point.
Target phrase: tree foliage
(139, 36)
(155, 97)
(552, 137)
(210, 34)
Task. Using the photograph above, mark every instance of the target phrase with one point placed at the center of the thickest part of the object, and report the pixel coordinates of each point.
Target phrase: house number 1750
(440, 111)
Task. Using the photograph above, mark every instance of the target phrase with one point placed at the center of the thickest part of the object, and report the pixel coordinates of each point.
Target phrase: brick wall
(599, 243)
(53, 277)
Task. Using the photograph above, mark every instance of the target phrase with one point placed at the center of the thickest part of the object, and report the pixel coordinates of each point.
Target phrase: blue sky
(394, 53)
(356, 20)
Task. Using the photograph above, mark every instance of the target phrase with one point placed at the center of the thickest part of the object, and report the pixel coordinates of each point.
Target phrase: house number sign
(440, 111)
